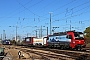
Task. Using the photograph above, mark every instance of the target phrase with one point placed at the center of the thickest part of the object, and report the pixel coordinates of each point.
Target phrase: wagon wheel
(79, 48)
(62, 47)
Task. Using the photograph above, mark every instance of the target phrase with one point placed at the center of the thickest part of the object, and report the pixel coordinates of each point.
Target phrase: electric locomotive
(69, 39)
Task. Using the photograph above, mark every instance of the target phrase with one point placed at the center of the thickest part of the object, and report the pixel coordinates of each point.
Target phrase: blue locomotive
(6, 42)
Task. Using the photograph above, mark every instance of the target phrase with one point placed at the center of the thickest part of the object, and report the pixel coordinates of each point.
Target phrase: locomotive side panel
(59, 41)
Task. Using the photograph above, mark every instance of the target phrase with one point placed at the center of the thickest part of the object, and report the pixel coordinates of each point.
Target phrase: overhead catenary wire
(15, 10)
(68, 3)
(57, 9)
(74, 23)
(25, 8)
(61, 7)
(30, 7)
(72, 9)
(70, 15)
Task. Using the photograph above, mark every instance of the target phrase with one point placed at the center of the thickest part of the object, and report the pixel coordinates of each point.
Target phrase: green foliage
(87, 31)
(87, 36)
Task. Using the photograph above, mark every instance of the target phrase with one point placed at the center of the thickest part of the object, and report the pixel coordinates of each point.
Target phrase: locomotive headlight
(73, 41)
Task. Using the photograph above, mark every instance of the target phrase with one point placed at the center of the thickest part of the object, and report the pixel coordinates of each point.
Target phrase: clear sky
(29, 15)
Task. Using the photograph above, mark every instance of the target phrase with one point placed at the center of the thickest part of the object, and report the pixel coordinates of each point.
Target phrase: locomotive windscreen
(78, 35)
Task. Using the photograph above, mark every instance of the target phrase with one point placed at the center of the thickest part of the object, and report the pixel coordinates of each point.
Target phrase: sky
(31, 15)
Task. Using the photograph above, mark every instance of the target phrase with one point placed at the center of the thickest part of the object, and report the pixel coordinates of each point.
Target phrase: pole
(50, 23)
(47, 31)
(36, 33)
(41, 31)
(16, 33)
(27, 34)
(1, 36)
(70, 25)
(5, 36)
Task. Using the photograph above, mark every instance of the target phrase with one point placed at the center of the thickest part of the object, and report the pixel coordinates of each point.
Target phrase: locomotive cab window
(79, 35)
(28, 39)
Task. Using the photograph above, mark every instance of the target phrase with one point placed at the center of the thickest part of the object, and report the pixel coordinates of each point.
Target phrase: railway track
(55, 54)
(47, 55)
(67, 54)
(72, 54)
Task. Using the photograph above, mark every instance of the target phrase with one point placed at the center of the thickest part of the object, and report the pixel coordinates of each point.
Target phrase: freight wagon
(33, 41)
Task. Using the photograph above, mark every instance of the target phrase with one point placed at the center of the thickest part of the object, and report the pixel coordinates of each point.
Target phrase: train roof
(6, 40)
(60, 33)
(29, 37)
(64, 33)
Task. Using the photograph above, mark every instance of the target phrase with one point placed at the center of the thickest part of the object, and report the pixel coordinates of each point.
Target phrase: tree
(87, 36)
